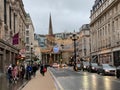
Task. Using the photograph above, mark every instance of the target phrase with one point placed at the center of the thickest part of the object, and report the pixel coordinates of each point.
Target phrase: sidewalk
(40, 82)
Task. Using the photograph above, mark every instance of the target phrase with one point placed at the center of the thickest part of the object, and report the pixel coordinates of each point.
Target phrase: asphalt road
(71, 80)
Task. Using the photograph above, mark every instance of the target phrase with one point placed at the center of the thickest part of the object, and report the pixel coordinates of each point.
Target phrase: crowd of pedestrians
(20, 72)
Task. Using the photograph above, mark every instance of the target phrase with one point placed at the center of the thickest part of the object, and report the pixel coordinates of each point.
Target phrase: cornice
(104, 11)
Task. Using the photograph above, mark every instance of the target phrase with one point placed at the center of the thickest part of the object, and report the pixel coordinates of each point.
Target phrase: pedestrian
(34, 69)
(28, 72)
(15, 73)
(22, 71)
(42, 69)
(9, 74)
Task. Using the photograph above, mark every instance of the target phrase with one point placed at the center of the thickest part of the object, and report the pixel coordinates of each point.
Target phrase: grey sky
(67, 15)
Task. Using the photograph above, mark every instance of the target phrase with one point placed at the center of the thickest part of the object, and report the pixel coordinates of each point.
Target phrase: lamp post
(50, 59)
(31, 52)
(74, 37)
(90, 38)
(62, 46)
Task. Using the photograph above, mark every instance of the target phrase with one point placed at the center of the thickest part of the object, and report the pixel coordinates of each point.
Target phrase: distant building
(37, 51)
(83, 45)
(29, 38)
(41, 40)
(64, 35)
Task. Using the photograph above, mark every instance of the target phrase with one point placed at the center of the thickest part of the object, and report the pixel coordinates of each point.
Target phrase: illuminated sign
(55, 49)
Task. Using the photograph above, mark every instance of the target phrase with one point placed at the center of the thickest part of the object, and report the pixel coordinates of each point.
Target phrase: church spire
(50, 26)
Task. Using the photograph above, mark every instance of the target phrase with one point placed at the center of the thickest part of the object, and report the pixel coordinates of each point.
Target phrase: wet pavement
(5, 85)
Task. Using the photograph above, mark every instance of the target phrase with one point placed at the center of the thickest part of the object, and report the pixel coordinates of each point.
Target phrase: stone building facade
(84, 42)
(12, 21)
(105, 31)
(29, 38)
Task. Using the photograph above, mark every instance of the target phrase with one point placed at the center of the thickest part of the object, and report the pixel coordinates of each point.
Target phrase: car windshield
(94, 64)
(86, 63)
(106, 65)
(78, 65)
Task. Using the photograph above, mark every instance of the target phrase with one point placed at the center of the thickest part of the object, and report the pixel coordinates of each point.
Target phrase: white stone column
(10, 57)
(46, 58)
(54, 57)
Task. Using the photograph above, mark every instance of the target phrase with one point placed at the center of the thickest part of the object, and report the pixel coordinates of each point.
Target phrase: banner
(15, 39)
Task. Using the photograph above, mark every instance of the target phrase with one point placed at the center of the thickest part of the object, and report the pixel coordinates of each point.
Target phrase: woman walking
(42, 69)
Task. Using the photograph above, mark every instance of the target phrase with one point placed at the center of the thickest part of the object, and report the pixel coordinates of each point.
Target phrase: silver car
(85, 66)
(78, 66)
(106, 69)
(93, 67)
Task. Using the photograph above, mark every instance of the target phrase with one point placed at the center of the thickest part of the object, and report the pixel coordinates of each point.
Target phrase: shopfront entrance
(1, 63)
(116, 57)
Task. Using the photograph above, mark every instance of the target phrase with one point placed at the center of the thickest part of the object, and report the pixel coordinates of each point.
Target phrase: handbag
(44, 70)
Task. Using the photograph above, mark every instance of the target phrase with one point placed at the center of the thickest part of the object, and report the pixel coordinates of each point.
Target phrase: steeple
(50, 26)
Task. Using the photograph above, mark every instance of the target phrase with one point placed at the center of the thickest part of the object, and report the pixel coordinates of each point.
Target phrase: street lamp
(50, 58)
(74, 37)
(31, 52)
(90, 42)
(62, 46)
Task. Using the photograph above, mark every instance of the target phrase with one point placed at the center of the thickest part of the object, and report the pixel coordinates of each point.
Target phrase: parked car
(55, 65)
(118, 72)
(93, 67)
(85, 66)
(106, 69)
(78, 66)
(64, 65)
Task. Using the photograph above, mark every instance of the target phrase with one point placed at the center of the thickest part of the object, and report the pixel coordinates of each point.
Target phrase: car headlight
(84, 66)
(106, 70)
(93, 67)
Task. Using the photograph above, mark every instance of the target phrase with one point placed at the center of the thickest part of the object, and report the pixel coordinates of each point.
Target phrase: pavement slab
(40, 82)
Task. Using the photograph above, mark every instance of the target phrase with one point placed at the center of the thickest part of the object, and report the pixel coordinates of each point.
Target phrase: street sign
(55, 49)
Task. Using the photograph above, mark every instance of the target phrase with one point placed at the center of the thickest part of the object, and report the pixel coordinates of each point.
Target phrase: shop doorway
(1, 63)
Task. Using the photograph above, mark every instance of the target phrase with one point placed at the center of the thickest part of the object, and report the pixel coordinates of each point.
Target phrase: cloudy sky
(67, 15)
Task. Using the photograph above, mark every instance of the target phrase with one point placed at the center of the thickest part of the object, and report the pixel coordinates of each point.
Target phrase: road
(72, 80)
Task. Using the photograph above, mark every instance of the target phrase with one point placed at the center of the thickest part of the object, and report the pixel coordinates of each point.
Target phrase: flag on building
(15, 39)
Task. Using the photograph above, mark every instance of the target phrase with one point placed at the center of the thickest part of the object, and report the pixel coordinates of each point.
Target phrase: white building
(29, 38)
(84, 42)
(12, 21)
(105, 31)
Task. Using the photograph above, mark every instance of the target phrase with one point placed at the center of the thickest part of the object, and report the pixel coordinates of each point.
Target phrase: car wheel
(88, 70)
(117, 76)
(98, 72)
(103, 73)
(83, 69)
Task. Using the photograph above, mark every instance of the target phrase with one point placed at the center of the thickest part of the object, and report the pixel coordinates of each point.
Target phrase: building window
(10, 17)
(27, 33)
(14, 22)
(5, 12)
(27, 48)
(27, 40)
(27, 26)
